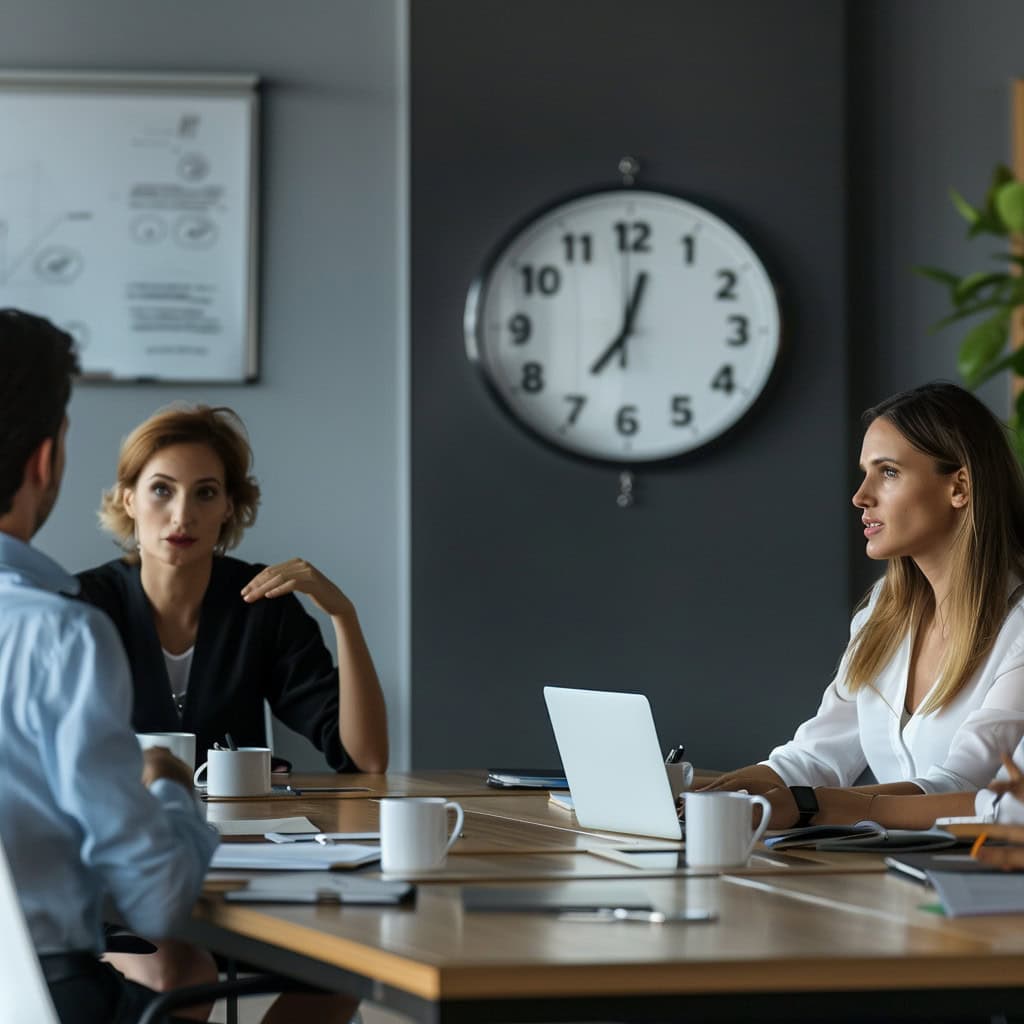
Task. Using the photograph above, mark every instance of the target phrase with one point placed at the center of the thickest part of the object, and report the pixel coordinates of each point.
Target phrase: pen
(978, 844)
(675, 755)
(609, 915)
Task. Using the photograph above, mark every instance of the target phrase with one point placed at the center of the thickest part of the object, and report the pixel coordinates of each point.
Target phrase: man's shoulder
(53, 620)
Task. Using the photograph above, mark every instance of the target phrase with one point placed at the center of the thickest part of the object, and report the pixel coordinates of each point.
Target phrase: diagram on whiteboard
(125, 218)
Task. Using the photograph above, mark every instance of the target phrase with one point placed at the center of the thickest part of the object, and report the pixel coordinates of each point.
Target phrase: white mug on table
(414, 833)
(241, 772)
(719, 827)
(181, 744)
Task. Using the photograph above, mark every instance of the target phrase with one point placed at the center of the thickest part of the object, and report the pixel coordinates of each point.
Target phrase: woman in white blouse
(930, 690)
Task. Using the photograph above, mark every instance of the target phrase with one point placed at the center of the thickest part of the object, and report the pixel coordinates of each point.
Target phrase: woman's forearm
(362, 715)
(891, 809)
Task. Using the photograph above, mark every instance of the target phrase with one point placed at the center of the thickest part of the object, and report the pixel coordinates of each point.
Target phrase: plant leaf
(982, 346)
(964, 208)
(970, 285)
(946, 277)
(1014, 361)
(1009, 204)
(968, 311)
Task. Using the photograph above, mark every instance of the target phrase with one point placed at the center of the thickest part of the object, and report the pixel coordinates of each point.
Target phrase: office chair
(28, 998)
(21, 975)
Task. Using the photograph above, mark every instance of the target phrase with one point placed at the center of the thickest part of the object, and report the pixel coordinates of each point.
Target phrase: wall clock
(626, 325)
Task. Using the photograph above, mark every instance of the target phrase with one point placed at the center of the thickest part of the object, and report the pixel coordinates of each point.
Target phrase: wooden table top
(806, 923)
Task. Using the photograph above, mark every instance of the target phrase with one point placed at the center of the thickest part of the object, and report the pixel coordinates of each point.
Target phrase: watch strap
(806, 803)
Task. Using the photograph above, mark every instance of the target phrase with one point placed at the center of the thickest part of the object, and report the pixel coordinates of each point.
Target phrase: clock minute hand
(619, 341)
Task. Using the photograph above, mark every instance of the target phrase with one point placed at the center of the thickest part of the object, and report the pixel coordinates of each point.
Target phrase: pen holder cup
(680, 777)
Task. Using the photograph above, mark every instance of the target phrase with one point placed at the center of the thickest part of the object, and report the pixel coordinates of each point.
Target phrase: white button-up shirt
(953, 749)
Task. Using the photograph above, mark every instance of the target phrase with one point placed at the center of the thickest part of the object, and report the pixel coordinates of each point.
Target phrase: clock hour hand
(619, 341)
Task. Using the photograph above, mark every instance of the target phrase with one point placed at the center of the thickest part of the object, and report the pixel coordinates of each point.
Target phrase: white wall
(327, 418)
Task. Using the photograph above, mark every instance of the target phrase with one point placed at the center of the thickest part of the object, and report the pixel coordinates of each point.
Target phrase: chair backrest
(25, 995)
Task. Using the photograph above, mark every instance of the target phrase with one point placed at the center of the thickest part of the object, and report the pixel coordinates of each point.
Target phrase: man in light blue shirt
(76, 821)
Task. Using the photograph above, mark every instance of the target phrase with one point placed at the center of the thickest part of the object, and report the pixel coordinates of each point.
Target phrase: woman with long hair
(930, 690)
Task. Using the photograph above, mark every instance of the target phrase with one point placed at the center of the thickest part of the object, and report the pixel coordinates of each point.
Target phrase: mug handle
(766, 816)
(459, 818)
(195, 777)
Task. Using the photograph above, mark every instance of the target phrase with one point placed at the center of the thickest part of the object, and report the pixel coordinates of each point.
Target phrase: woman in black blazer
(209, 637)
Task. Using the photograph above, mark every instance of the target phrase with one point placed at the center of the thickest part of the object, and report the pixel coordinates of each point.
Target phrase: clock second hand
(619, 342)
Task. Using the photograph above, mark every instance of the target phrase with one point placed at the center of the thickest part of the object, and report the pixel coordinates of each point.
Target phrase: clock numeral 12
(634, 236)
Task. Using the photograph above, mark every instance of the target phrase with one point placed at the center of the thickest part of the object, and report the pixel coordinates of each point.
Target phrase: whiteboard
(128, 218)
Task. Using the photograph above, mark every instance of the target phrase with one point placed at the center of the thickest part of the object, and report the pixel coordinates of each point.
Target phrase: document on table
(963, 895)
(293, 856)
(260, 826)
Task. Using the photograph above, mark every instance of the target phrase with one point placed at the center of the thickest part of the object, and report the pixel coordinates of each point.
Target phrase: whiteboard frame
(244, 88)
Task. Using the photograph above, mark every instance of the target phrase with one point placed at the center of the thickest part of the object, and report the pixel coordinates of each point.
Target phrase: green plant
(986, 349)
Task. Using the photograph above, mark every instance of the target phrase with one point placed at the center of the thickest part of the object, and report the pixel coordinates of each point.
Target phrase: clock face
(625, 325)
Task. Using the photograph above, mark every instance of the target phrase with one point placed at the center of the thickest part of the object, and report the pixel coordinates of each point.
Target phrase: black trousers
(87, 991)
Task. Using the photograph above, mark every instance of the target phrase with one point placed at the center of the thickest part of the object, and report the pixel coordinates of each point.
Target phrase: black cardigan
(244, 653)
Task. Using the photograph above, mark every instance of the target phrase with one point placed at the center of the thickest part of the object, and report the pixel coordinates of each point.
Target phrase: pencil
(979, 843)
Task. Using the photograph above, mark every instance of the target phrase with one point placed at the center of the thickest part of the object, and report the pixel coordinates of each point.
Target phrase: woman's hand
(755, 778)
(1014, 785)
(298, 576)
(362, 717)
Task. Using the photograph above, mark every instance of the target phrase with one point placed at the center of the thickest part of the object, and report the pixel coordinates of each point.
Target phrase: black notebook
(864, 836)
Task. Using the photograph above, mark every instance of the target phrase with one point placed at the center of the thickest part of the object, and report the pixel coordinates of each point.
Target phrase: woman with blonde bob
(930, 691)
(210, 637)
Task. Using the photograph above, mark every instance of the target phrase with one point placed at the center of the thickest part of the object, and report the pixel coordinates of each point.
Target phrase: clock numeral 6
(626, 422)
(521, 328)
(533, 378)
(547, 280)
(682, 414)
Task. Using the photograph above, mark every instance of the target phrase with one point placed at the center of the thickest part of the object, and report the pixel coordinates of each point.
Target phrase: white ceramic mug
(241, 772)
(181, 744)
(719, 829)
(414, 832)
(680, 777)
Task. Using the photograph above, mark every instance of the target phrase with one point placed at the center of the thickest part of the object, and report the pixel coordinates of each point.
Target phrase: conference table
(799, 936)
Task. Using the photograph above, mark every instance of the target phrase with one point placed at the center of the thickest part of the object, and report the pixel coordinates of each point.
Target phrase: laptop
(612, 759)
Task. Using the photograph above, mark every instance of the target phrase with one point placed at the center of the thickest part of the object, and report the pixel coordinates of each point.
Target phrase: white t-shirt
(951, 750)
(178, 668)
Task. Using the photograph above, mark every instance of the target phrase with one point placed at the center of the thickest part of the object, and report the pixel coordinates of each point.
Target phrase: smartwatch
(806, 803)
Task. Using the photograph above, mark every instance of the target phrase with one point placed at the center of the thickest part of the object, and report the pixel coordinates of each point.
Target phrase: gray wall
(729, 584)
(327, 417)
(723, 593)
(930, 108)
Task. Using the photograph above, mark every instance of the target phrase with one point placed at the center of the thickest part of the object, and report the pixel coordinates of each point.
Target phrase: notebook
(612, 761)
